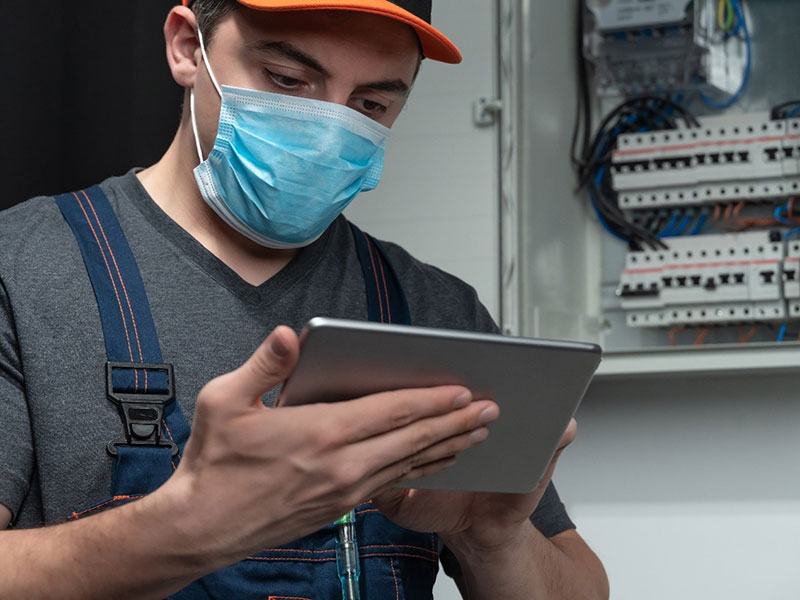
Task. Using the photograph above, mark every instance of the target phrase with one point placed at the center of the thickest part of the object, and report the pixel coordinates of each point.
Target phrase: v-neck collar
(272, 289)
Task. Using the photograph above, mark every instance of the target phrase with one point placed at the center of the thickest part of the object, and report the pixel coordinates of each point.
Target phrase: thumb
(270, 364)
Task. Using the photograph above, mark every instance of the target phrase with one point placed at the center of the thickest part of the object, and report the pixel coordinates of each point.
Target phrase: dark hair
(209, 13)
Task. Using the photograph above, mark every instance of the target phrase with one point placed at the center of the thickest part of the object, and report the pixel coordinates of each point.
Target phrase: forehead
(328, 31)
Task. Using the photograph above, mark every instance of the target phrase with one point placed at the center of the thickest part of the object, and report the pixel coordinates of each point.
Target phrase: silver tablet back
(538, 385)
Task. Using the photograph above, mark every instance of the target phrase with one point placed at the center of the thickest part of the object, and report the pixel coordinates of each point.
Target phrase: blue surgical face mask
(283, 168)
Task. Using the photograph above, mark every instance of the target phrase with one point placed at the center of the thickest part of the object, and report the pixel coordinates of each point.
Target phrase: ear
(180, 34)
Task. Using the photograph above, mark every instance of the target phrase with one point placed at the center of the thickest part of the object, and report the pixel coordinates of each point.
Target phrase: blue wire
(779, 212)
(700, 223)
(683, 225)
(791, 233)
(602, 220)
(741, 23)
(782, 333)
(792, 113)
(667, 231)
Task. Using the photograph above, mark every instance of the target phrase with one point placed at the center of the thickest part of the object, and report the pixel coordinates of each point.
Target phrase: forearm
(531, 567)
(140, 550)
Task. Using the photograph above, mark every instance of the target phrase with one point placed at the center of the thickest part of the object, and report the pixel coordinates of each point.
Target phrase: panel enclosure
(570, 268)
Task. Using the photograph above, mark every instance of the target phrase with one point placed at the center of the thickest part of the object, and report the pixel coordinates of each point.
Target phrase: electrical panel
(743, 170)
(713, 280)
(728, 159)
(700, 204)
(660, 46)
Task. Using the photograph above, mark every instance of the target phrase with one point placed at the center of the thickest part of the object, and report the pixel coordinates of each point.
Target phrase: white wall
(689, 488)
(438, 192)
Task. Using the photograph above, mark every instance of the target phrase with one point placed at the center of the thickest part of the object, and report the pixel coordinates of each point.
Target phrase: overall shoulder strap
(137, 380)
(386, 301)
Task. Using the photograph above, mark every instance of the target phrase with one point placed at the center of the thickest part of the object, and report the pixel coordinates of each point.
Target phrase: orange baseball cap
(416, 13)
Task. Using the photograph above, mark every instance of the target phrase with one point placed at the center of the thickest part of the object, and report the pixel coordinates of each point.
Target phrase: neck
(171, 185)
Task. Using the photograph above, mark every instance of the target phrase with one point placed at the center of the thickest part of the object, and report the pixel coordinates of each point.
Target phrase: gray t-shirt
(55, 420)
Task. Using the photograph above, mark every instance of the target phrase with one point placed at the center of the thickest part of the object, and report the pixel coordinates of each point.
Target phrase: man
(231, 234)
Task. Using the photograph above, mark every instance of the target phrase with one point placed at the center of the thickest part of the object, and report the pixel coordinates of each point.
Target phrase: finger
(269, 365)
(387, 492)
(399, 451)
(376, 414)
(566, 439)
(569, 436)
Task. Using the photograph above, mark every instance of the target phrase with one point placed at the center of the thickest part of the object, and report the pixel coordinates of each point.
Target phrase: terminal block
(712, 279)
(728, 159)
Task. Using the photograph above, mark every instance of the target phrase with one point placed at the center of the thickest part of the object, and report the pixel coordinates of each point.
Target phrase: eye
(284, 81)
(370, 107)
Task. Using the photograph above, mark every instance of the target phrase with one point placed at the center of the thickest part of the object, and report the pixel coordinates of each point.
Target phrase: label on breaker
(631, 14)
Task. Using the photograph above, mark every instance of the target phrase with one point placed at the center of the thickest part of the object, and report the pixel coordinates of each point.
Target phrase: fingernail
(487, 416)
(462, 400)
(278, 347)
(477, 436)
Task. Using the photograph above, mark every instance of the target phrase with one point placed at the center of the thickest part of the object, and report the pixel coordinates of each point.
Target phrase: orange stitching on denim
(298, 550)
(309, 559)
(289, 559)
(375, 273)
(385, 289)
(122, 282)
(390, 554)
(77, 515)
(367, 510)
(394, 576)
(420, 548)
(288, 598)
(113, 284)
(372, 546)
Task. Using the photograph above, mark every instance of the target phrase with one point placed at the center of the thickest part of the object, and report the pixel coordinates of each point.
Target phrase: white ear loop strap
(208, 64)
(194, 125)
(191, 93)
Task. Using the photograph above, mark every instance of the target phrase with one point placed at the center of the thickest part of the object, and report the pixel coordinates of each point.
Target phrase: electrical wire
(583, 108)
(725, 15)
(701, 221)
(781, 111)
(741, 25)
(643, 113)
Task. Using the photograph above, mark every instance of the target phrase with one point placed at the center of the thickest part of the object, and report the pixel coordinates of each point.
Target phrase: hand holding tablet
(538, 385)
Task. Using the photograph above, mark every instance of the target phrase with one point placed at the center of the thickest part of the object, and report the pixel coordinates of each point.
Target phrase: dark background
(85, 92)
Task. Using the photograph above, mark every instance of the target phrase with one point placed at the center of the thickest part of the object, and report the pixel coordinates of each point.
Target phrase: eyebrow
(287, 50)
(290, 52)
(396, 86)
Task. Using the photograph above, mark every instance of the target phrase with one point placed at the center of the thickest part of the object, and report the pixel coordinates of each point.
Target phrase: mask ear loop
(207, 63)
(191, 93)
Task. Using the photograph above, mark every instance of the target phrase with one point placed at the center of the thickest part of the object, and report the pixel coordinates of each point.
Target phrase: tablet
(538, 385)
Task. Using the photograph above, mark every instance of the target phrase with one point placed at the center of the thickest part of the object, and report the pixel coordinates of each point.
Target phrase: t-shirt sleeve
(550, 518)
(16, 446)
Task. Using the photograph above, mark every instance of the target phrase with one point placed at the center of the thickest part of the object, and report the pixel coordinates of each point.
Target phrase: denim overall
(395, 563)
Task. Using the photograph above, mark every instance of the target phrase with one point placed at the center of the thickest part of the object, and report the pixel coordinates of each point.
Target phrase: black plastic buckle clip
(141, 412)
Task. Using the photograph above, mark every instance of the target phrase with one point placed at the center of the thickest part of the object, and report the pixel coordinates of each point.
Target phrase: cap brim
(435, 45)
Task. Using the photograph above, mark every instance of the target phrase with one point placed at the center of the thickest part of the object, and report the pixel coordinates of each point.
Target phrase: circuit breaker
(728, 159)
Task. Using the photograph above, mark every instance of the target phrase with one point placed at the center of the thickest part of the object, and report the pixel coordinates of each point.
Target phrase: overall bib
(395, 563)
